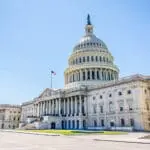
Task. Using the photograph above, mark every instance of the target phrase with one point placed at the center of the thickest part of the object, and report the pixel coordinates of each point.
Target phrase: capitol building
(93, 97)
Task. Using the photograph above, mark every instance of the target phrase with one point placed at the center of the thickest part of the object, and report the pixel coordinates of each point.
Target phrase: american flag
(52, 72)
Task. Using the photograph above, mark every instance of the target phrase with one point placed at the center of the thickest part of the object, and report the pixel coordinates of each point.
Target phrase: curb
(31, 133)
(122, 141)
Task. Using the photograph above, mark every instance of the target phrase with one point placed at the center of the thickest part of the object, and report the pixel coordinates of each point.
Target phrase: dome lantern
(89, 27)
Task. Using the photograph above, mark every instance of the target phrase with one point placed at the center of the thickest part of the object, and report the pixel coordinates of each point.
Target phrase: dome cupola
(90, 63)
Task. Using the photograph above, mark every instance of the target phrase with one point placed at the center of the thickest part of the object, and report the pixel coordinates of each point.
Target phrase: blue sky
(37, 36)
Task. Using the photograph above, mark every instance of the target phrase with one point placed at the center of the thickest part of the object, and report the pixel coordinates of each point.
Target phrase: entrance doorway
(112, 124)
(53, 125)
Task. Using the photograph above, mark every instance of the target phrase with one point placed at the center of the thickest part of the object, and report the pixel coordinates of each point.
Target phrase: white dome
(90, 41)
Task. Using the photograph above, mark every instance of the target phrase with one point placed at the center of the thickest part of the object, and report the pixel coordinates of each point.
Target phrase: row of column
(91, 74)
(75, 105)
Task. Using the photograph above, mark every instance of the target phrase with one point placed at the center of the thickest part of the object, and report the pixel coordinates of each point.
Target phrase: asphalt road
(20, 141)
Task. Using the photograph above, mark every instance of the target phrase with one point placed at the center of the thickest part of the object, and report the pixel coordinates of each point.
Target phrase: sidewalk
(131, 137)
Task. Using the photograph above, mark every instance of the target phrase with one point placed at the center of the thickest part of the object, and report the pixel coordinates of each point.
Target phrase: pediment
(47, 92)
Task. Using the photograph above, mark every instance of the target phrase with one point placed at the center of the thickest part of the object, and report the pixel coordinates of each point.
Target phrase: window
(101, 97)
(83, 59)
(132, 122)
(104, 59)
(145, 91)
(94, 108)
(119, 93)
(102, 123)
(93, 75)
(87, 58)
(83, 75)
(97, 74)
(129, 91)
(77, 124)
(148, 119)
(110, 95)
(88, 75)
(121, 108)
(122, 122)
(87, 44)
(73, 124)
(100, 58)
(96, 58)
(76, 61)
(101, 109)
(80, 60)
(92, 58)
(94, 98)
(95, 123)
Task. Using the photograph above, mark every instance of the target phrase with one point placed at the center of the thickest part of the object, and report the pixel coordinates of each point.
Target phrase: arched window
(73, 124)
(76, 61)
(73, 77)
(88, 75)
(102, 75)
(108, 75)
(92, 58)
(98, 75)
(94, 108)
(83, 75)
(87, 58)
(110, 106)
(62, 124)
(80, 60)
(93, 75)
(95, 123)
(119, 93)
(100, 58)
(69, 124)
(83, 59)
(96, 58)
(84, 124)
(132, 122)
(129, 91)
(122, 122)
(77, 124)
(104, 59)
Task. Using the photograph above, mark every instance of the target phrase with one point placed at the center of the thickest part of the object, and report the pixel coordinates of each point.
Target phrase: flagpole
(51, 80)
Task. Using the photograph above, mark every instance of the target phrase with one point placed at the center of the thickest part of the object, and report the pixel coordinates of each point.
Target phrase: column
(40, 109)
(68, 108)
(106, 74)
(80, 105)
(38, 113)
(75, 104)
(45, 107)
(100, 74)
(56, 106)
(64, 106)
(86, 74)
(49, 103)
(90, 74)
(59, 102)
(81, 75)
(71, 105)
(95, 73)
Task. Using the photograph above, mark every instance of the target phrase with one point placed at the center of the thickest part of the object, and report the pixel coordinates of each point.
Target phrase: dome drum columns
(90, 74)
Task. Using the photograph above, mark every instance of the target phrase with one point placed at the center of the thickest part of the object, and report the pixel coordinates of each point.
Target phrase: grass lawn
(75, 132)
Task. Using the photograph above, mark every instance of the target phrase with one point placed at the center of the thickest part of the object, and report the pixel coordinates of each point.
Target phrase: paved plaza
(20, 141)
